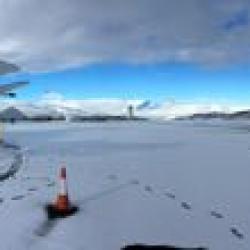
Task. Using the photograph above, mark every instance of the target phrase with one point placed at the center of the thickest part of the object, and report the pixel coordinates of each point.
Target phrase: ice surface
(135, 182)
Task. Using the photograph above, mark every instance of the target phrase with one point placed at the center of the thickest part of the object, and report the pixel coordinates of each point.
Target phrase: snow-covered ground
(7, 155)
(180, 183)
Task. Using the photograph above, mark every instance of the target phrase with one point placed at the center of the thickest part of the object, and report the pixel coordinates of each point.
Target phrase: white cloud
(49, 35)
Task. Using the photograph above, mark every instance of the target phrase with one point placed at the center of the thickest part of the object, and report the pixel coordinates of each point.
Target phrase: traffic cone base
(54, 213)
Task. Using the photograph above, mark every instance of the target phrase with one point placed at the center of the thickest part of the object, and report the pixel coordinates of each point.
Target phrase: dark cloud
(55, 34)
(240, 20)
(6, 68)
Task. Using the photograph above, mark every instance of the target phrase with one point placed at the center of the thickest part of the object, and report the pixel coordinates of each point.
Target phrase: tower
(130, 111)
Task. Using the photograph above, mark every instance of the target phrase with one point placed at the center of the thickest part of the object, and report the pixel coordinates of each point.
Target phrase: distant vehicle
(6, 89)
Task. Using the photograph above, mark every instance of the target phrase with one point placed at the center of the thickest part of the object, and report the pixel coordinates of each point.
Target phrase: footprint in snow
(185, 205)
(32, 189)
(148, 188)
(170, 195)
(135, 182)
(216, 215)
(17, 197)
(236, 233)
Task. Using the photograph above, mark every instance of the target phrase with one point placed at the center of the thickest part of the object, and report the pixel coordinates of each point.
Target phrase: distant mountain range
(245, 114)
(13, 114)
(56, 107)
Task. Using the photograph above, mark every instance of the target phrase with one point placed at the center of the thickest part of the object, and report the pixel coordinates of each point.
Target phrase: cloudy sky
(146, 49)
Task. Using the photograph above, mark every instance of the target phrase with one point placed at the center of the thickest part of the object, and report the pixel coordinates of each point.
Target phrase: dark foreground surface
(158, 247)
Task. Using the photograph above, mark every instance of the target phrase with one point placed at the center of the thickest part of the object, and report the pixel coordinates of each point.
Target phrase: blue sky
(157, 82)
(142, 49)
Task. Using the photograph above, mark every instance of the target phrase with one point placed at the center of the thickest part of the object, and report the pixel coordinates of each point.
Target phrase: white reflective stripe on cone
(63, 190)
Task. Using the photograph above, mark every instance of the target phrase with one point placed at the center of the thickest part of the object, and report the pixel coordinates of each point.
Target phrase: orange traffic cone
(62, 203)
(62, 206)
